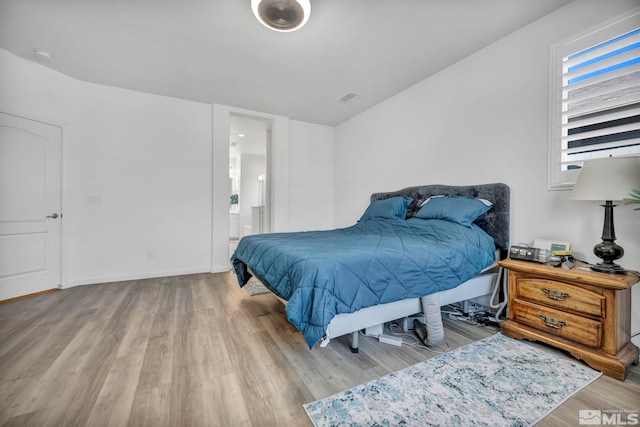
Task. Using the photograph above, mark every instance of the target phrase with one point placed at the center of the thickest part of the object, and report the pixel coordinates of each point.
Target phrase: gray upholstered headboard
(495, 221)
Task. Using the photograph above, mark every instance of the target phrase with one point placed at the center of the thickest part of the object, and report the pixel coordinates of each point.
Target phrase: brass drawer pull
(555, 294)
(551, 322)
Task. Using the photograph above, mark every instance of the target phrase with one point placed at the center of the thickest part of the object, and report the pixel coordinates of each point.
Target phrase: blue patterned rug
(497, 381)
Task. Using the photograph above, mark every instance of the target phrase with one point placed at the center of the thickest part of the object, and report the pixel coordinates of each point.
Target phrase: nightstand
(579, 310)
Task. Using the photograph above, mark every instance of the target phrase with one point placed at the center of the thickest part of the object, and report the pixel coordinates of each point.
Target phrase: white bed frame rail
(345, 323)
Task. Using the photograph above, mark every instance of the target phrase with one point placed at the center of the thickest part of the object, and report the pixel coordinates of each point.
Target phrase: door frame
(277, 165)
(63, 183)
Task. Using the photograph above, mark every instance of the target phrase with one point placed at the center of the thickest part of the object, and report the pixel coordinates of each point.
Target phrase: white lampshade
(609, 178)
(282, 15)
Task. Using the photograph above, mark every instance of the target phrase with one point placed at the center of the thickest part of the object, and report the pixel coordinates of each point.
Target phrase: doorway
(277, 178)
(249, 177)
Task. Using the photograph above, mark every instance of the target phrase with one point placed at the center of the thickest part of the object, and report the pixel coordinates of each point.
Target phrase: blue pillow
(461, 209)
(393, 208)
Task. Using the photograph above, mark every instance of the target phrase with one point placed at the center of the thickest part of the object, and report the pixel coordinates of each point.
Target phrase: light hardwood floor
(197, 351)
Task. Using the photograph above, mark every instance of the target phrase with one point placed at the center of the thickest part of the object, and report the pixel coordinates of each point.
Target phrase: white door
(30, 201)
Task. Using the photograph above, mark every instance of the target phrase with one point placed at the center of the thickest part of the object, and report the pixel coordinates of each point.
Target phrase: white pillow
(485, 201)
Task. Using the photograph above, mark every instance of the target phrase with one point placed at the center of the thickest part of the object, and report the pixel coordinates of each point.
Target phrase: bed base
(352, 323)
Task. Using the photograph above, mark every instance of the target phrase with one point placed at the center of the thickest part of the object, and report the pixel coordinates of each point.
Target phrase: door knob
(54, 216)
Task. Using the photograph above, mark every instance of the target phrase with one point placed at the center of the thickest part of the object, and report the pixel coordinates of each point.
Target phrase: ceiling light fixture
(282, 15)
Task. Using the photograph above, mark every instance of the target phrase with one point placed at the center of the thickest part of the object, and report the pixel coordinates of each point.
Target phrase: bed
(413, 250)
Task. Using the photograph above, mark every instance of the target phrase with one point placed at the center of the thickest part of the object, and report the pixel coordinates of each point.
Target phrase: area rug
(254, 287)
(497, 381)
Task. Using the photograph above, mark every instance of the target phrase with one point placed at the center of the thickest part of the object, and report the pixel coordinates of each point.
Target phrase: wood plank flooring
(198, 351)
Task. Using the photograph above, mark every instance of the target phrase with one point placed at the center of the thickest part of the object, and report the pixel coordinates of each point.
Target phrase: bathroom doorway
(249, 176)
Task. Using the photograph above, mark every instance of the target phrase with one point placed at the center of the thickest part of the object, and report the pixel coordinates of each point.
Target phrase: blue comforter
(324, 273)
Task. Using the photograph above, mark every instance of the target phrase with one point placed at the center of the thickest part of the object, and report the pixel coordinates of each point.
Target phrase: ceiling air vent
(348, 97)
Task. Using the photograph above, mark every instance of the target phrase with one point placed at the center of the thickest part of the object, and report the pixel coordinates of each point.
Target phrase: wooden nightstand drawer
(561, 295)
(566, 325)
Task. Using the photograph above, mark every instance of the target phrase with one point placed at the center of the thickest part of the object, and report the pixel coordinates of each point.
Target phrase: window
(595, 97)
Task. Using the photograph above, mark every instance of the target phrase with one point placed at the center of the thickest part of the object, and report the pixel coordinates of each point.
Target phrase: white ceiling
(215, 51)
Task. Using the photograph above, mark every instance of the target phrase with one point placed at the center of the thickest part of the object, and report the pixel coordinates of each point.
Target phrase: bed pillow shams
(392, 208)
(460, 209)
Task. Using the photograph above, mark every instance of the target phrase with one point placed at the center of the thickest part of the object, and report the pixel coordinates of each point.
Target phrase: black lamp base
(608, 268)
(608, 250)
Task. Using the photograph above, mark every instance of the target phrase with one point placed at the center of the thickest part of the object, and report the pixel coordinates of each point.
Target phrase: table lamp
(607, 179)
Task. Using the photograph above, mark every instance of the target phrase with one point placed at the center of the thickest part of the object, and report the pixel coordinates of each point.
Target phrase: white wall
(483, 120)
(147, 156)
(311, 169)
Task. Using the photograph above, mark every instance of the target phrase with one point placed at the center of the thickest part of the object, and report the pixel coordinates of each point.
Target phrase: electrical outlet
(94, 199)
(150, 255)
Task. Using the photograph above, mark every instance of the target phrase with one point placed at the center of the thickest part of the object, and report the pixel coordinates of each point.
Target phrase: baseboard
(220, 269)
(35, 294)
(125, 278)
